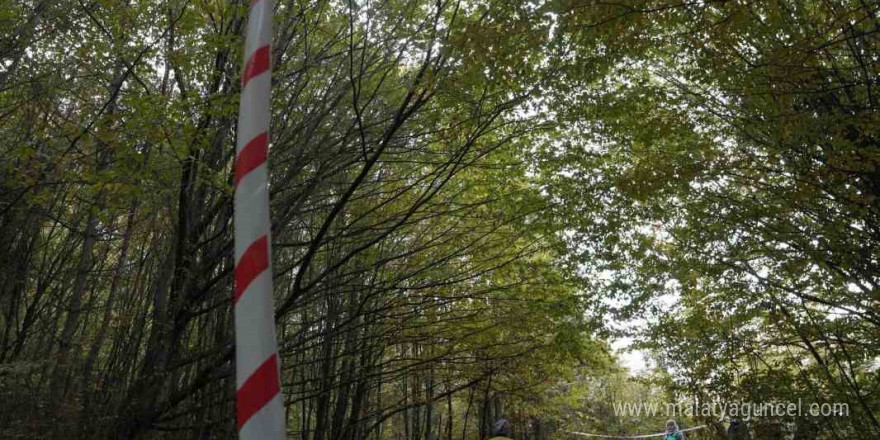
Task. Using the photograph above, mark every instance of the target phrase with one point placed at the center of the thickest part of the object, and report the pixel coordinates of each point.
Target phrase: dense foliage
(467, 198)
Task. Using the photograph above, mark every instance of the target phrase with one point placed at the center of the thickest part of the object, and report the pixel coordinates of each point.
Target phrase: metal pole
(257, 371)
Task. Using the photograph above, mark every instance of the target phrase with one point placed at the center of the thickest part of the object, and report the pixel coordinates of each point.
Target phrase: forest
(472, 204)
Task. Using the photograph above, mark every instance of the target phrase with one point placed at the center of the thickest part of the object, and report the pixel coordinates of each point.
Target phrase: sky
(635, 361)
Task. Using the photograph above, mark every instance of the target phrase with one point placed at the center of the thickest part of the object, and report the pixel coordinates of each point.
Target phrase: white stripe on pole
(260, 405)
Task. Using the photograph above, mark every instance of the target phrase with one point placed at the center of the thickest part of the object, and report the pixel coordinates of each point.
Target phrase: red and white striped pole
(257, 370)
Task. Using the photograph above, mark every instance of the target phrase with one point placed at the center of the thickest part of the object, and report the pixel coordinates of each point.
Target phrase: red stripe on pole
(257, 64)
(254, 2)
(258, 390)
(252, 155)
(254, 261)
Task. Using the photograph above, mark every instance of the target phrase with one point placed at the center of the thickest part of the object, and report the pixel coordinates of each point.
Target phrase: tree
(727, 188)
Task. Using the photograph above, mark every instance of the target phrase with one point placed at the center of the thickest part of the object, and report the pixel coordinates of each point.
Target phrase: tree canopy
(469, 202)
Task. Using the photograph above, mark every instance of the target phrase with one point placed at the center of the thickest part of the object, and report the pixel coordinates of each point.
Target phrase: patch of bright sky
(636, 361)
